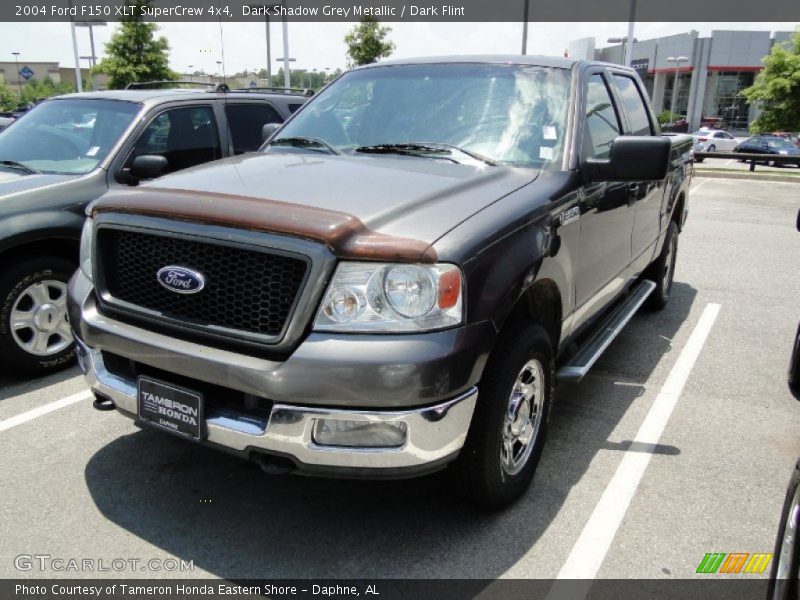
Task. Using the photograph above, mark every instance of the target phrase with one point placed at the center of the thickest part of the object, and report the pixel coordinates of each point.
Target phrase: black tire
(13, 286)
(663, 269)
(479, 471)
(712, 148)
(699, 160)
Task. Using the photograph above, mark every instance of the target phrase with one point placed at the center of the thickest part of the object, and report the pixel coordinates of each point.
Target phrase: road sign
(26, 73)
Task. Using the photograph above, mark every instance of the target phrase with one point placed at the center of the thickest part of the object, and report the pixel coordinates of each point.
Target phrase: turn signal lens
(449, 289)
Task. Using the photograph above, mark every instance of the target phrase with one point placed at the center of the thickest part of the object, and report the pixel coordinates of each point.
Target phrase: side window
(293, 107)
(184, 136)
(635, 107)
(245, 122)
(602, 124)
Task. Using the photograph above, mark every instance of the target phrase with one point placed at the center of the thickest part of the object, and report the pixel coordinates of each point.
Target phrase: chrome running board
(609, 328)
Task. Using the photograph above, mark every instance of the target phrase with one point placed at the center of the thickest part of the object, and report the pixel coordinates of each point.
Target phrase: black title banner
(402, 10)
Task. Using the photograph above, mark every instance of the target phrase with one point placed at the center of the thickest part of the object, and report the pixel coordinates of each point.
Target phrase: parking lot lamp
(677, 60)
(19, 77)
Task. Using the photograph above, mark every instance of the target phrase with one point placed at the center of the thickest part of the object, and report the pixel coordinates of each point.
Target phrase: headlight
(391, 298)
(86, 248)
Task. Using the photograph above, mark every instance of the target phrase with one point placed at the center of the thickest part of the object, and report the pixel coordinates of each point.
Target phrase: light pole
(286, 79)
(219, 66)
(286, 60)
(677, 60)
(19, 77)
(190, 72)
(627, 52)
(266, 8)
(93, 58)
(525, 11)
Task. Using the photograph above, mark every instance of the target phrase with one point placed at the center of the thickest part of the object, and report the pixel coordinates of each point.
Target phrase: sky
(321, 46)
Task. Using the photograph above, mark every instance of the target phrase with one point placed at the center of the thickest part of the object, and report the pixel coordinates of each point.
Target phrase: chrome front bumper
(435, 434)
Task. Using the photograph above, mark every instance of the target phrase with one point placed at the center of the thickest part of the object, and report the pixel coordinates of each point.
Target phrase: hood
(347, 201)
(13, 181)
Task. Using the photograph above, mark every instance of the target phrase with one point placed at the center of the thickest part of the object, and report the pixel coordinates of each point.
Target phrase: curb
(751, 175)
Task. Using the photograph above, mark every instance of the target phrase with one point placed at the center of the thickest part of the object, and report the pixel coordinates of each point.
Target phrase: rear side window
(635, 107)
(245, 122)
(293, 107)
(602, 124)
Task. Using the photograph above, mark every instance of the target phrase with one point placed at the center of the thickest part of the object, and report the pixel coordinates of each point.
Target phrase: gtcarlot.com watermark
(62, 564)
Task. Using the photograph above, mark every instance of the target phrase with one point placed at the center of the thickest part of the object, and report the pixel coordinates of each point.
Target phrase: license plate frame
(171, 407)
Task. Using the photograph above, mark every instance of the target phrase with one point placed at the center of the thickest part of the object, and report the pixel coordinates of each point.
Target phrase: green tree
(8, 99)
(776, 90)
(37, 89)
(367, 42)
(134, 53)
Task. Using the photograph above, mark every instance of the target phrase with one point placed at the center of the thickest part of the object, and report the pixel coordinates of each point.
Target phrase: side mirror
(268, 129)
(149, 166)
(633, 158)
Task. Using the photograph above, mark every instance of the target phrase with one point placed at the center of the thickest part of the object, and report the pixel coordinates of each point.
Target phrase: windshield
(779, 143)
(67, 136)
(512, 115)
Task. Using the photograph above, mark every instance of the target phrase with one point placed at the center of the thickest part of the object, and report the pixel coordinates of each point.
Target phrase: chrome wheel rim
(39, 319)
(523, 417)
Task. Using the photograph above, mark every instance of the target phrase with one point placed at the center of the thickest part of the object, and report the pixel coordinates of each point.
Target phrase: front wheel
(509, 426)
(35, 336)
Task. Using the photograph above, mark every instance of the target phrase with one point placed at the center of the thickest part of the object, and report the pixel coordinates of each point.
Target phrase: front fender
(20, 229)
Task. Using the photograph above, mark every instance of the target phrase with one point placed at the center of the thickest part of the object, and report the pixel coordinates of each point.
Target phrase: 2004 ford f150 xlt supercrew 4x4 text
(397, 281)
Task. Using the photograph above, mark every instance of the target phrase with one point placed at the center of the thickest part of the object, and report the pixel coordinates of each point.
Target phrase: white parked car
(715, 140)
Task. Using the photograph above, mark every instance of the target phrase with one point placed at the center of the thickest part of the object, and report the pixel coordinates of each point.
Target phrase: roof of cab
(541, 61)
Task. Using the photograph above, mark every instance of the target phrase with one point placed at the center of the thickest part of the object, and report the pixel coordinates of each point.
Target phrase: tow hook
(104, 404)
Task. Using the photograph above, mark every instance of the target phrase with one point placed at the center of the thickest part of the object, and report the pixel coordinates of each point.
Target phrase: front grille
(246, 290)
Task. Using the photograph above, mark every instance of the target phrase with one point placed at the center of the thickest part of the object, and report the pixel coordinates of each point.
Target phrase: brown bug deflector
(343, 233)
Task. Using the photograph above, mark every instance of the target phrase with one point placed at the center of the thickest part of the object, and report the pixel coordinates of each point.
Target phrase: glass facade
(724, 100)
(682, 99)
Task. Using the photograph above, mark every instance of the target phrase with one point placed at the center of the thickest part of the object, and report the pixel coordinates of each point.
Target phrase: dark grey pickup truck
(397, 282)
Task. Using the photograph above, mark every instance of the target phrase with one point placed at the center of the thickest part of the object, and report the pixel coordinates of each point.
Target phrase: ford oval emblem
(181, 280)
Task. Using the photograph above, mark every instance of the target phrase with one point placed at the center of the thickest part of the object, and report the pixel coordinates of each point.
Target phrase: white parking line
(694, 188)
(594, 541)
(43, 410)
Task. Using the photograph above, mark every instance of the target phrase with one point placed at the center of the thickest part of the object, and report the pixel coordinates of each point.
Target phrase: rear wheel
(35, 336)
(509, 426)
(712, 148)
(663, 269)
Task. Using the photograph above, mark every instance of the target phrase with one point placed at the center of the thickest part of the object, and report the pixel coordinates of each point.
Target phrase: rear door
(647, 197)
(245, 120)
(724, 141)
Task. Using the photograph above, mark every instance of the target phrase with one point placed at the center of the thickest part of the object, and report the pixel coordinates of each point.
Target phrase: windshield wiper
(305, 142)
(13, 164)
(421, 149)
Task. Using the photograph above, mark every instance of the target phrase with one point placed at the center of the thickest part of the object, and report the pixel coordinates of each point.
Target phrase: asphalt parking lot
(80, 483)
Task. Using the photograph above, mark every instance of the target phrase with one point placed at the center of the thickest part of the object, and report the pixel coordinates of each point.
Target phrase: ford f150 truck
(397, 282)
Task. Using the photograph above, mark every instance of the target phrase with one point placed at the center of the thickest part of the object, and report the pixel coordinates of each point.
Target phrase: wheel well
(677, 211)
(541, 304)
(63, 248)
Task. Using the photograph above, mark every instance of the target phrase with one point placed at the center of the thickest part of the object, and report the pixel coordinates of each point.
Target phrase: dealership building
(709, 78)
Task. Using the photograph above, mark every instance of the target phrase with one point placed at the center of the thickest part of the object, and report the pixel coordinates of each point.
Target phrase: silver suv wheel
(39, 318)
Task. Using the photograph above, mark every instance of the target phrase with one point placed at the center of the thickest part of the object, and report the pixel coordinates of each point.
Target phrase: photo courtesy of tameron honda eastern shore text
(397, 282)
